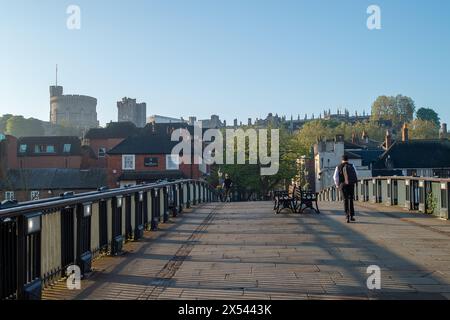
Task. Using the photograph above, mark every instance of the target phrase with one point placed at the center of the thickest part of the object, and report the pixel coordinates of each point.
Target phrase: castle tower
(76, 111)
(130, 110)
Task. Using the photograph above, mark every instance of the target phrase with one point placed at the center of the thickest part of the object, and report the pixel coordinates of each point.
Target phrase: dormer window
(23, 148)
(41, 148)
(67, 148)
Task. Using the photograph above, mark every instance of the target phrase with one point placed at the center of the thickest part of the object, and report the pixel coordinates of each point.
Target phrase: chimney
(388, 139)
(249, 121)
(235, 124)
(443, 131)
(405, 133)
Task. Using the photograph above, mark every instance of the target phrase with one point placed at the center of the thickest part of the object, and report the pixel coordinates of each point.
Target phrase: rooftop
(43, 179)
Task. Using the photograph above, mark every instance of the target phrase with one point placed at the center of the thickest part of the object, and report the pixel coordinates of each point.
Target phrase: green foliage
(3, 120)
(398, 109)
(432, 203)
(18, 126)
(247, 177)
(311, 131)
(422, 129)
(428, 114)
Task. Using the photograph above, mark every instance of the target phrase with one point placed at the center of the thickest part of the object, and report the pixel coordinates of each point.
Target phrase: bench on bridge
(295, 199)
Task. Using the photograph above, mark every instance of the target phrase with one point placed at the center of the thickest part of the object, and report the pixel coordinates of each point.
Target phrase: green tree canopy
(428, 114)
(398, 109)
(18, 126)
(3, 120)
(247, 177)
(423, 129)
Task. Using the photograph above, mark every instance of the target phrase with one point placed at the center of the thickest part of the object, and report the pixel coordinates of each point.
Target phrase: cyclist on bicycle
(227, 184)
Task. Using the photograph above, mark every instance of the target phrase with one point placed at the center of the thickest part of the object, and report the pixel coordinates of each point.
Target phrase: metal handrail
(57, 202)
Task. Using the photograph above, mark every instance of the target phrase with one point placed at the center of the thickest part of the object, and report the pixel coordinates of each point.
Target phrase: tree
(399, 109)
(247, 178)
(423, 129)
(18, 126)
(405, 108)
(3, 120)
(308, 134)
(428, 114)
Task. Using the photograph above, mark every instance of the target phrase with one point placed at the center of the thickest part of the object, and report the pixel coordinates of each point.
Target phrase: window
(9, 195)
(34, 195)
(101, 152)
(150, 162)
(23, 148)
(67, 148)
(128, 162)
(172, 162)
(40, 148)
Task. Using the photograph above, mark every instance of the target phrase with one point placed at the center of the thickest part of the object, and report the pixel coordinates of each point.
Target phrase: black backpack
(351, 173)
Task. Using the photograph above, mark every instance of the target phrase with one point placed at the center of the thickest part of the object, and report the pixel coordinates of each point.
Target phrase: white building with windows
(328, 155)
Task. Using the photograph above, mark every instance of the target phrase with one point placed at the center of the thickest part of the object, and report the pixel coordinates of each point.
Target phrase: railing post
(408, 194)
(29, 283)
(194, 193)
(444, 200)
(180, 192)
(139, 199)
(165, 203)
(174, 191)
(84, 254)
(188, 200)
(127, 227)
(389, 189)
(422, 197)
(8, 258)
(155, 209)
(117, 237)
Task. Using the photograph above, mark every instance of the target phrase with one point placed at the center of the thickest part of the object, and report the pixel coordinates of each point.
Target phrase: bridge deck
(244, 251)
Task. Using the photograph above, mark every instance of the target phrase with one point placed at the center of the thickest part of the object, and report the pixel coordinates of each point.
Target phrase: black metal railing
(427, 195)
(40, 239)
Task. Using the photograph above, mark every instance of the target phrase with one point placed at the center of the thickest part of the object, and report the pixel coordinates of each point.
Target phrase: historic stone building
(77, 111)
(129, 110)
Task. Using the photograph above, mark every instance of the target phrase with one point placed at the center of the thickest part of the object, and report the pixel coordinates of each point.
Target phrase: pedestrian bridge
(244, 251)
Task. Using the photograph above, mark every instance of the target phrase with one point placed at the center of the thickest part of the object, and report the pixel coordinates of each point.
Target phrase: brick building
(148, 157)
(41, 167)
(102, 140)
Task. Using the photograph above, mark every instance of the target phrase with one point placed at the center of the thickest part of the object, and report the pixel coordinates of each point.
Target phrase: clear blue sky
(234, 58)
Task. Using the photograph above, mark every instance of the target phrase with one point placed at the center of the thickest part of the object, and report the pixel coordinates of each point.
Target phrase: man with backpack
(345, 178)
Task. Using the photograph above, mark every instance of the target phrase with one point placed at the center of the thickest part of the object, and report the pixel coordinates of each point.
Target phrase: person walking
(227, 184)
(345, 178)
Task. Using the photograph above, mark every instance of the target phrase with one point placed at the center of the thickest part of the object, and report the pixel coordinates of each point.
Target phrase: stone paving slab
(245, 251)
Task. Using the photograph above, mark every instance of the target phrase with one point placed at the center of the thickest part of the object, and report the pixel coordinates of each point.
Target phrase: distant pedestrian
(227, 184)
(345, 178)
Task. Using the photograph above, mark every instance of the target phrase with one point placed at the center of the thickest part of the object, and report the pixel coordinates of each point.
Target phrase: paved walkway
(244, 251)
